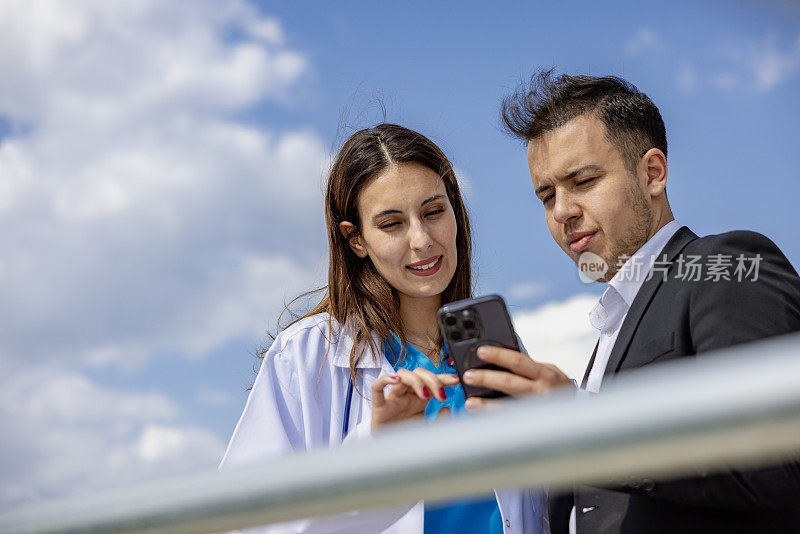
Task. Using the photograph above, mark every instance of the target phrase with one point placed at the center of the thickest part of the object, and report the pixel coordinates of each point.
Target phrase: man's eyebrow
(542, 188)
(582, 170)
(572, 174)
(392, 211)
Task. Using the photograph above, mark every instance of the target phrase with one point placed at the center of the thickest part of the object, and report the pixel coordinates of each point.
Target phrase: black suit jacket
(676, 316)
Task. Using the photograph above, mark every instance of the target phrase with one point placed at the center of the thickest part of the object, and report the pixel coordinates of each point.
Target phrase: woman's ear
(348, 230)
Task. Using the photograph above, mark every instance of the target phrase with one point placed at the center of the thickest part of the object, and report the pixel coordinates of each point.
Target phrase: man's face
(591, 202)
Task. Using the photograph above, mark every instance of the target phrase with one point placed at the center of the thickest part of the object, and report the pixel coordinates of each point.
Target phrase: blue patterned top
(468, 515)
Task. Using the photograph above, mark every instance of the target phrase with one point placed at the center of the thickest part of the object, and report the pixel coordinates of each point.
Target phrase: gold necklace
(432, 352)
(415, 341)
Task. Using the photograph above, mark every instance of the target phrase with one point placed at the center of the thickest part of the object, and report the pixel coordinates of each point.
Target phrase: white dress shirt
(610, 311)
(612, 308)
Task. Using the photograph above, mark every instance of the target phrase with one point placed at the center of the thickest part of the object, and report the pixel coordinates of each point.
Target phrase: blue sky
(443, 70)
(160, 187)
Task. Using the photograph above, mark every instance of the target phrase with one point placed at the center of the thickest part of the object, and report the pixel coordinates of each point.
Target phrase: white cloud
(213, 398)
(112, 60)
(725, 80)
(15, 173)
(238, 303)
(158, 442)
(771, 65)
(144, 215)
(465, 184)
(527, 290)
(645, 40)
(268, 29)
(687, 77)
(755, 64)
(760, 65)
(560, 333)
(64, 434)
(147, 216)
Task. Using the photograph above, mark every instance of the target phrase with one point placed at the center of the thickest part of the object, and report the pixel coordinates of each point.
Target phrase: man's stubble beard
(637, 235)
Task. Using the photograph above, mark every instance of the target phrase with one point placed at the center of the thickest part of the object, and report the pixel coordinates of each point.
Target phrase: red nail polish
(395, 377)
(442, 394)
(425, 392)
(451, 362)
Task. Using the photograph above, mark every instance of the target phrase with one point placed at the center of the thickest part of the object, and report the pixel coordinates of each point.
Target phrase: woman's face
(408, 230)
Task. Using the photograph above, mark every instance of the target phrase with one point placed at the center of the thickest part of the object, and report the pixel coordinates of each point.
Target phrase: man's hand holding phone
(525, 376)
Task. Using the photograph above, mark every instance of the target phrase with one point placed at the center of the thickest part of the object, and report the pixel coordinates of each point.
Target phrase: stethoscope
(347, 402)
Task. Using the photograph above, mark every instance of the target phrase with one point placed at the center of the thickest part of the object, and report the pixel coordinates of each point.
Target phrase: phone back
(468, 324)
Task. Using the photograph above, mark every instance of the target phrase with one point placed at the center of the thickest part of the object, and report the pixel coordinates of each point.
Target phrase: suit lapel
(673, 247)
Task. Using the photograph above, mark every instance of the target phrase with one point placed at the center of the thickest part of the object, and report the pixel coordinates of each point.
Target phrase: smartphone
(468, 324)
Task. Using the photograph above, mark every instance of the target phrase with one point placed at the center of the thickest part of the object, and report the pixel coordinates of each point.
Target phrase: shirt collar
(631, 276)
(343, 340)
(616, 300)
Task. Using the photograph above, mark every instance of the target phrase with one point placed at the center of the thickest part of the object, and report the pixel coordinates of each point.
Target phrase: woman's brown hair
(356, 296)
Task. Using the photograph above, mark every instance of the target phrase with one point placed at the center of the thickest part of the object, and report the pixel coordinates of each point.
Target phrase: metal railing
(738, 407)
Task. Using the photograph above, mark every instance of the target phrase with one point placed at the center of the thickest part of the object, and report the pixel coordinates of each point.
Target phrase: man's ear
(348, 230)
(654, 165)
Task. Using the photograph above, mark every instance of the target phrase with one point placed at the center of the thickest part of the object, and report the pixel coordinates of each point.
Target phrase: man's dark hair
(633, 123)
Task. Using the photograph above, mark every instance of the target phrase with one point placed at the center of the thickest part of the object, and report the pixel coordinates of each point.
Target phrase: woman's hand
(408, 395)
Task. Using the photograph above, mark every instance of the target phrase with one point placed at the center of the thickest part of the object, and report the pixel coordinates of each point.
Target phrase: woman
(400, 247)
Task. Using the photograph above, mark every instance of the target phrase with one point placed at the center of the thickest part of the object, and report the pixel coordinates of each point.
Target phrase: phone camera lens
(469, 324)
(455, 335)
(450, 320)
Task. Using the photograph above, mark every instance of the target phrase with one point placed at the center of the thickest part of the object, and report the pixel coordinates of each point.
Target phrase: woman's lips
(437, 264)
(580, 244)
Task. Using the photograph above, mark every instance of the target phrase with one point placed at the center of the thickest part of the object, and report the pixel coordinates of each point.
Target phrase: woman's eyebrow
(434, 197)
(393, 211)
(385, 212)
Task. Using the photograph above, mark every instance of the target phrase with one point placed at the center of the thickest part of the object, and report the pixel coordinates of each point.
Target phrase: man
(597, 152)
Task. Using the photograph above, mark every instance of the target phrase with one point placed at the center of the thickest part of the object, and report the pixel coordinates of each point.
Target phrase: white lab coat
(297, 403)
